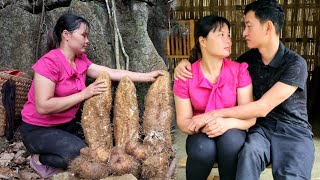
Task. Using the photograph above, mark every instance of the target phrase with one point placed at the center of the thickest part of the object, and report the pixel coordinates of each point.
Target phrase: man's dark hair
(267, 10)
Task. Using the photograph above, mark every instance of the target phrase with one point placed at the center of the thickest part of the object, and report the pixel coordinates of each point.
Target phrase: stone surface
(17, 37)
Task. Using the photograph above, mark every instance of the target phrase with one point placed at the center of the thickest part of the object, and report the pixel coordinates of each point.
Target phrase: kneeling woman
(217, 83)
(50, 127)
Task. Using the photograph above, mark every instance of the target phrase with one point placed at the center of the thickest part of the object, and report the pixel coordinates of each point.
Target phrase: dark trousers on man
(287, 146)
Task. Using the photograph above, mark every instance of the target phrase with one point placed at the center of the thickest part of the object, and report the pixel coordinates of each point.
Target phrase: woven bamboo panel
(22, 89)
(301, 32)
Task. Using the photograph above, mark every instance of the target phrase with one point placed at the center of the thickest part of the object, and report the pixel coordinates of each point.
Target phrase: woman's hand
(182, 71)
(196, 125)
(199, 121)
(95, 88)
(216, 127)
(151, 76)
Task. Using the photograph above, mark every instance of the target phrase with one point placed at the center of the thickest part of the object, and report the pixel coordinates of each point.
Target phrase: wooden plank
(172, 44)
(317, 36)
(178, 56)
(180, 44)
(185, 44)
(176, 52)
(188, 42)
(168, 45)
(192, 40)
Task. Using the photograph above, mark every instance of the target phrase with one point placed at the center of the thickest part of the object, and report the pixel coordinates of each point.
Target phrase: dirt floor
(14, 159)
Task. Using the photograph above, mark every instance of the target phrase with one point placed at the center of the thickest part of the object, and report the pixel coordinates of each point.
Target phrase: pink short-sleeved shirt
(206, 96)
(68, 80)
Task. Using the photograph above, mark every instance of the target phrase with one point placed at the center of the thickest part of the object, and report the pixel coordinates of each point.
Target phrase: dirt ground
(14, 159)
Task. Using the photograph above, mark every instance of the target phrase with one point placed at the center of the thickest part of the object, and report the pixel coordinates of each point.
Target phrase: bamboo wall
(301, 31)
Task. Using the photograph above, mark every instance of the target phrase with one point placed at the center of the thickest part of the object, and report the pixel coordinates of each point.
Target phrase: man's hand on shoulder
(182, 71)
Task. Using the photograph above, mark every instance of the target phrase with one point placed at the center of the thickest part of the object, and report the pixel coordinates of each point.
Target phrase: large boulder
(18, 32)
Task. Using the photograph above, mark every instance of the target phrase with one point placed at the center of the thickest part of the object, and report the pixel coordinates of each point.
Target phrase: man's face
(254, 31)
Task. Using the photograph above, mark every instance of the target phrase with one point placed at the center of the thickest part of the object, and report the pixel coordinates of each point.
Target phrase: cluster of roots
(145, 158)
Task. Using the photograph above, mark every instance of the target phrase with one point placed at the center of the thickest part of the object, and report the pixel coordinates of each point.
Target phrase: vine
(42, 19)
(117, 36)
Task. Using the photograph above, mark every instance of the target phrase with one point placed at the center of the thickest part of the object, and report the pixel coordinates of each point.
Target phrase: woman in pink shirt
(50, 126)
(217, 83)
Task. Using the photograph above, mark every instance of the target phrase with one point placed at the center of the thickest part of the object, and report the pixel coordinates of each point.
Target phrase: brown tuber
(126, 113)
(147, 160)
(84, 167)
(156, 167)
(96, 121)
(157, 120)
(136, 149)
(122, 163)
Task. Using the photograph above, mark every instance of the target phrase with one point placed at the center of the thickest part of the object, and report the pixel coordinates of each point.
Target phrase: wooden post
(192, 40)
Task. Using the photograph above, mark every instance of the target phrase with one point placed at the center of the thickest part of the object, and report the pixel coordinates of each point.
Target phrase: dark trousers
(288, 147)
(57, 145)
(203, 151)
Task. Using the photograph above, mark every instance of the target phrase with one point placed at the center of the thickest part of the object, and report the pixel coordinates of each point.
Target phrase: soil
(14, 162)
(14, 159)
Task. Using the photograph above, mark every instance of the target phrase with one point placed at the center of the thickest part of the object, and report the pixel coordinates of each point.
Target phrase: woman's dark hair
(203, 27)
(266, 10)
(69, 22)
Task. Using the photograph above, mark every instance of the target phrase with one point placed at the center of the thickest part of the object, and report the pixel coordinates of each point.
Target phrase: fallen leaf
(5, 171)
(17, 146)
(27, 175)
(5, 158)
